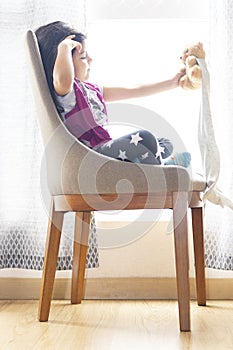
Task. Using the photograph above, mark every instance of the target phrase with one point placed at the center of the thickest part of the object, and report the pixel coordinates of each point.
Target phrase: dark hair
(49, 37)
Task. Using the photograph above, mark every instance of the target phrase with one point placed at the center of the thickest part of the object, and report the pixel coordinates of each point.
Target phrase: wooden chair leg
(180, 222)
(198, 240)
(82, 223)
(50, 263)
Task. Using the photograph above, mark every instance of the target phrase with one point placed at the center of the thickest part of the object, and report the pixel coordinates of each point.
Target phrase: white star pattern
(109, 143)
(135, 139)
(144, 156)
(160, 150)
(122, 155)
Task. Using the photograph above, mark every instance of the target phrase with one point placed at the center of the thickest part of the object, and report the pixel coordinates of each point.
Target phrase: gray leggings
(141, 146)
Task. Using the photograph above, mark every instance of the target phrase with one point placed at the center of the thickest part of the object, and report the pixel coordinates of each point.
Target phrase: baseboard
(114, 288)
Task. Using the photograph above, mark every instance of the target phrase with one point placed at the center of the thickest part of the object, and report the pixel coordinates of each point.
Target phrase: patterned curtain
(23, 216)
(219, 221)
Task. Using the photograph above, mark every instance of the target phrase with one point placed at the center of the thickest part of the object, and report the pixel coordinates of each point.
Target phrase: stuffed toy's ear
(196, 50)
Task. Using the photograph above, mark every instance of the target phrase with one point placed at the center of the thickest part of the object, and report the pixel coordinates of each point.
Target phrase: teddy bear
(193, 75)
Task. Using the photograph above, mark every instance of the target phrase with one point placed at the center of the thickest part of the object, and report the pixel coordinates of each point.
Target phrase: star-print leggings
(141, 146)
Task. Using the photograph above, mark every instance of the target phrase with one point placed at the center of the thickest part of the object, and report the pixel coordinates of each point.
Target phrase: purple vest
(80, 120)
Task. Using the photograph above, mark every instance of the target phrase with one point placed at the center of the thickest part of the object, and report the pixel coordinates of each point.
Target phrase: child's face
(81, 61)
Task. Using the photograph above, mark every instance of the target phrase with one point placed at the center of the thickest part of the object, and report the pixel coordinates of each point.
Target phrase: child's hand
(70, 44)
(63, 70)
(178, 76)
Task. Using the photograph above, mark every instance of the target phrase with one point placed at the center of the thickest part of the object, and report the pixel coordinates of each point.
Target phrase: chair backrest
(61, 149)
(47, 112)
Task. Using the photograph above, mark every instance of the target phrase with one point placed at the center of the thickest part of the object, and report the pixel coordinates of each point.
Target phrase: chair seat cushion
(198, 182)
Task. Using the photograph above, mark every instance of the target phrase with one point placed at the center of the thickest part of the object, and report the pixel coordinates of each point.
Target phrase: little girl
(82, 104)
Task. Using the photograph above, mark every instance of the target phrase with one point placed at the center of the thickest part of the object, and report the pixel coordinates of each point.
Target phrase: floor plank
(114, 325)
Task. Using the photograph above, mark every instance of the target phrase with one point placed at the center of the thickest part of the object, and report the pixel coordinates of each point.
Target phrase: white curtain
(219, 221)
(23, 218)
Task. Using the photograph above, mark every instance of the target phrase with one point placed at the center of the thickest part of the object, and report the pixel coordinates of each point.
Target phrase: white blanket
(209, 150)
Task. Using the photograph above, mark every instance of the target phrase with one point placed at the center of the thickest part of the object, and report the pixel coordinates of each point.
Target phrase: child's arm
(120, 93)
(63, 71)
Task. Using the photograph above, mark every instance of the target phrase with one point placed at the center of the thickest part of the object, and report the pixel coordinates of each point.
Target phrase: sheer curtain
(219, 221)
(23, 217)
(177, 22)
(151, 32)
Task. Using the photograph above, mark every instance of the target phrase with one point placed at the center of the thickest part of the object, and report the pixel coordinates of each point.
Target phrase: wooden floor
(118, 325)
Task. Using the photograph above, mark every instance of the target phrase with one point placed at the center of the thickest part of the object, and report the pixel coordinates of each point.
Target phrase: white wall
(121, 9)
(151, 255)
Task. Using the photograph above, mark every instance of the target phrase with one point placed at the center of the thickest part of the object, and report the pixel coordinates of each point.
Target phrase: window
(134, 51)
